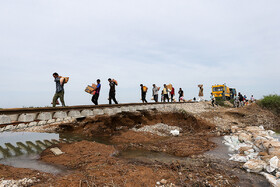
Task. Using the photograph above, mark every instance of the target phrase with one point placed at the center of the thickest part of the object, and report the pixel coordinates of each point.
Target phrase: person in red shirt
(172, 93)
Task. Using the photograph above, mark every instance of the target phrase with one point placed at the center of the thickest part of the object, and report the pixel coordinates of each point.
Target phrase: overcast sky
(182, 42)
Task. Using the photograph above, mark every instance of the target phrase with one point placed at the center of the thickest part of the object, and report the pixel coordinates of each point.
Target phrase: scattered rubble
(160, 129)
(258, 149)
(21, 182)
(56, 151)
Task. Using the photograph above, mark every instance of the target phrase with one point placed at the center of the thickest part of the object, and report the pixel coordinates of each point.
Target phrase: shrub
(220, 101)
(271, 102)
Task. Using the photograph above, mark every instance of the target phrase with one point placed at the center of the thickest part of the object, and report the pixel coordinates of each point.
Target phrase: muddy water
(221, 153)
(150, 156)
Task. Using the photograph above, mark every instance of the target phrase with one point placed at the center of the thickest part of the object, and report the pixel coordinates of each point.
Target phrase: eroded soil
(96, 164)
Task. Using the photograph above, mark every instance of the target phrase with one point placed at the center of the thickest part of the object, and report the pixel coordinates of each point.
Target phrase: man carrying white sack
(59, 93)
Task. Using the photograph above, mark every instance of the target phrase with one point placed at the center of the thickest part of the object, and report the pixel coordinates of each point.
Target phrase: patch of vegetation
(182, 111)
(220, 101)
(271, 102)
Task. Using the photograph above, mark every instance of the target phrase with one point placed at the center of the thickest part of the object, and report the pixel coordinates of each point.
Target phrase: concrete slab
(108, 111)
(117, 110)
(14, 117)
(60, 114)
(145, 107)
(132, 108)
(75, 114)
(139, 107)
(44, 116)
(27, 117)
(5, 119)
(125, 109)
(9, 127)
(98, 112)
(56, 151)
(41, 123)
(34, 123)
(87, 113)
(51, 121)
(21, 126)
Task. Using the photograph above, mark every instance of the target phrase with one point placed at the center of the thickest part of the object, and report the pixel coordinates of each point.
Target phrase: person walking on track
(59, 92)
(112, 91)
(95, 96)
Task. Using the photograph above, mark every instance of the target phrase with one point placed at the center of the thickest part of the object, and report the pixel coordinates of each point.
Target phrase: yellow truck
(223, 91)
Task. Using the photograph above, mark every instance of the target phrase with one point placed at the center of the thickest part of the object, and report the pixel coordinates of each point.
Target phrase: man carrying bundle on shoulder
(112, 91)
(59, 92)
(144, 90)
(96, 92)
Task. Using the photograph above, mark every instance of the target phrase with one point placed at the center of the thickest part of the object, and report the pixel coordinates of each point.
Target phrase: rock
(271, 179)
(244, 137)
(253, 129)
(259, 143)
(250, 151)
(234, 129)
(254, 165)
(163, 181)
(277, 175)
(239, 158)
(270, 143)
(267, 158)
(260, 133)
(21, 126)
(158, 183)
(278, 182)
(34, 123)
(175, 132)
(56, 151)
(274, 151)
(273, 164)
(270, 132)
(242, 149)
(51, 121)
(42, 123)
(263, 154)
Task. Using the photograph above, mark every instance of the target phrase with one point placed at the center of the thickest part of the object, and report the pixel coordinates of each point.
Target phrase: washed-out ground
(184, 160)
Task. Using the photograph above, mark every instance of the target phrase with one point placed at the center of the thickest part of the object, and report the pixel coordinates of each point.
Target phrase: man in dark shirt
(59, 93)
(143, 94)
(112, 92)
(181, 93)
(95, 96)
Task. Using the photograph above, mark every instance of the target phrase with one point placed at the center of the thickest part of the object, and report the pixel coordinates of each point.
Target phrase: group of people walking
(167, 94)
(164, 94)
(238, 100)
(59, 92)
(241, 100)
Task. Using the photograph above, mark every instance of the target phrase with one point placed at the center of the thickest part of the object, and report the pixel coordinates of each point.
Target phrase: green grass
(271, 102)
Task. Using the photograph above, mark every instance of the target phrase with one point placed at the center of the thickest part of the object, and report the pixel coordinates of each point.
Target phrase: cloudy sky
(183, 42)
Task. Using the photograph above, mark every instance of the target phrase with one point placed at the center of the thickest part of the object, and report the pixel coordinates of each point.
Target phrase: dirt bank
(116, 124)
